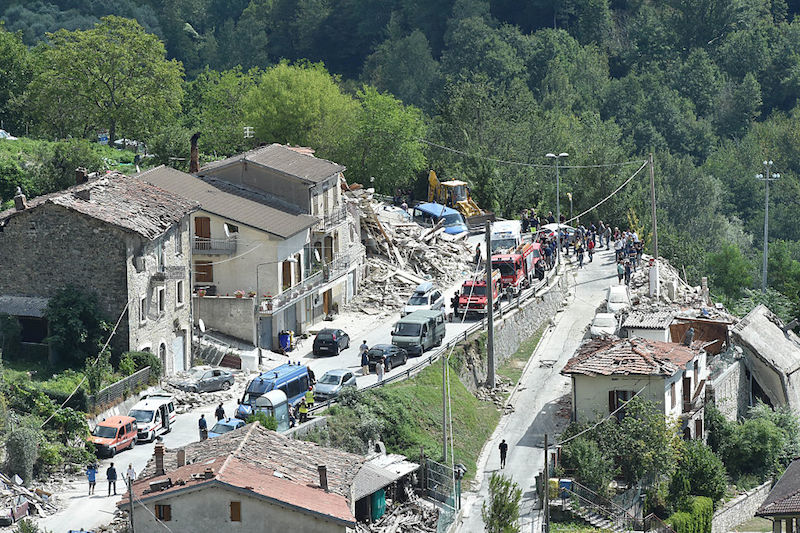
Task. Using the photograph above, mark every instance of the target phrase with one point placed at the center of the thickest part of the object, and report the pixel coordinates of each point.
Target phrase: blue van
(428, 214)
(293, 380)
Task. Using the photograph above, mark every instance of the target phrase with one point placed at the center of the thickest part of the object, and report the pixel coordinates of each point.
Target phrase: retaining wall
(740, 509)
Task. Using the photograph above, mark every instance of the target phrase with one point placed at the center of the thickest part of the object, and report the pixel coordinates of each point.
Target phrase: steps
(597, 521)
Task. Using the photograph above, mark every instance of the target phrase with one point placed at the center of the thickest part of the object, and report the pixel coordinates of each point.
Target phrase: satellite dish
(202, 325)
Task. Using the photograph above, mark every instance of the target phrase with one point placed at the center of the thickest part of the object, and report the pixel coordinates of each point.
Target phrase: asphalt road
(540, 389)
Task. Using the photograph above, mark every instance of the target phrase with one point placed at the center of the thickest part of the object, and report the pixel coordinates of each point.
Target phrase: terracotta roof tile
(784, 498)
(610, 356)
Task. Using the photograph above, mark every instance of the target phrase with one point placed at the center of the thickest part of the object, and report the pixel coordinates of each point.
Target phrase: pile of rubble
(497, 395)
(12, 494)
(674, 291)
(403, 254)
(187, 401)
(406, 517)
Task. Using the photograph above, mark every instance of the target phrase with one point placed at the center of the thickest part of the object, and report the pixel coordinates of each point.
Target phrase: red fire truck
(473, 297)
(518, 267)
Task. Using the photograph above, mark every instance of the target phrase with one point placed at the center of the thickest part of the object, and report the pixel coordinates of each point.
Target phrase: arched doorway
(162, 354)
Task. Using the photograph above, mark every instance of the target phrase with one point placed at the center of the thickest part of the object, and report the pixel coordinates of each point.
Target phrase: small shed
(382, 477)
(653, 326)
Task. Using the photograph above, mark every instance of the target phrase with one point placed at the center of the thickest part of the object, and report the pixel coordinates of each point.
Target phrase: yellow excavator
(456, 194)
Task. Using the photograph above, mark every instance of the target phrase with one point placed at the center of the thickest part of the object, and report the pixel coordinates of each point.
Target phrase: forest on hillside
(710, 87)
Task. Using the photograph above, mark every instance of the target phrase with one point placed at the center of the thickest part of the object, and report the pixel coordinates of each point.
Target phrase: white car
(7, 136)
(617, 298)
(603, 324)
(426, 297)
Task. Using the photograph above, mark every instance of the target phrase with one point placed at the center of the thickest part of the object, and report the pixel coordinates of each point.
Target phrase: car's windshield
(219, 427)
(501, 244)
(197, 373)
(605, 321)
(418, 300)
(250, 397)
(141, 416)
(452, 219)
(506, 267)
(105, 432)
(330, 379)
(618, 297)
(407, 330)
(479, 290)
(325, 336)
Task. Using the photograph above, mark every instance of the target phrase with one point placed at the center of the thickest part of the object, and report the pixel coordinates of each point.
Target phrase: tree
(77, 326)
(58, 164)
(113, 76)
(728, 270)
(703, 471)
(22, 447)
(592, 468)
(737, 106)
(300, 104)
(15, 74)
(385, 142)
(501, 512)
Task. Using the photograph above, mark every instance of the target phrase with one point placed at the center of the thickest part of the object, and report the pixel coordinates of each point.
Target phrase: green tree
(15, 74)
(783, 269)
(737, 106)
(501, 512)
(77, 326)
(703, 470)
(729, 272)
(114, 76)
(58, 163)
(385, 142)
(592, 468)
(22, 447)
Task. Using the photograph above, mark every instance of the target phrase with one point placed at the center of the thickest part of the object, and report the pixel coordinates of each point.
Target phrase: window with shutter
(236, 511)
(164, 512)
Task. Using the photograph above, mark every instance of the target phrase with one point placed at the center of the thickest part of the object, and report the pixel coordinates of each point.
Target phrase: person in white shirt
(131, 473)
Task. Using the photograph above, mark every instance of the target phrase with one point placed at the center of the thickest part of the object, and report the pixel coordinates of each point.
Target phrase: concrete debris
(401, 255)
(404, 517)
(187, 401)
(497, 395)
(40, 502)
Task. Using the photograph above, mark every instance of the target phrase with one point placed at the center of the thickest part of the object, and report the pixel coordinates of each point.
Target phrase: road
(540, 389)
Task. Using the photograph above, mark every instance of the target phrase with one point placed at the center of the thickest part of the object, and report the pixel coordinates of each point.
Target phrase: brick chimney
(194, 156)
(20, 203)
(81, 175)
(323, 477)
(159, 455)
(181, 457)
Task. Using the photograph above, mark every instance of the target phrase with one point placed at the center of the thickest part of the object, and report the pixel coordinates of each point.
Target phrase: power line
(521, 164)
(601, 202)
(153, 515)
(612, 413)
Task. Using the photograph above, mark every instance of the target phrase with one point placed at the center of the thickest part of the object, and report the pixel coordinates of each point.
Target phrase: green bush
(22, 449)
(700, 471)
(696, 519)
(77, 326)
(139, 360)
(591, 467)
(10, 330)
(264, 419)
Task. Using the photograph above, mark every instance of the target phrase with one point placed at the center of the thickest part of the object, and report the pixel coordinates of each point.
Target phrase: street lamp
(558, 207)
(766, 177)
(258, 300)
(569, 195)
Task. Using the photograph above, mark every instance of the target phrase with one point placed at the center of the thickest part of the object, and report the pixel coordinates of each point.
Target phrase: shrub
(701, 470)
(22, 448)
(10, 330)
(696, 519)
(139, 360)
(264, 419)
(591, 467)
(77, 326)
(501, 512)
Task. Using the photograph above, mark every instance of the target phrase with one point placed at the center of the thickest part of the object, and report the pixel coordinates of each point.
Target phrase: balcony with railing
(272, 304)
(331, 219)
(206, 246)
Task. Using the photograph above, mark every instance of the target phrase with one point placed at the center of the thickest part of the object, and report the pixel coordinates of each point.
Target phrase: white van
(506, 235)
(154, 414)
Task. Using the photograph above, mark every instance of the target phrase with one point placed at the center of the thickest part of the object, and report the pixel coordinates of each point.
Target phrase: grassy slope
(512, 368)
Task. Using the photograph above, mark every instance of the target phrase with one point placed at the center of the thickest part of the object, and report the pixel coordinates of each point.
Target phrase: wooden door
(287, 275)
(202, 233)
(326, 302)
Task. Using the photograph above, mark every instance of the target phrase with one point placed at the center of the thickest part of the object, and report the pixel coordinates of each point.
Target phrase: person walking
(503, 452)
(478, 254)
(111, 476)
(363, 350)
(91, 475)
(627, 272)
(620, 272)
(590, 247)
(130, 474)
(379, 368)
(607, 235)
(303, 410)
(220, 412)
(579, 253)
(203, 426)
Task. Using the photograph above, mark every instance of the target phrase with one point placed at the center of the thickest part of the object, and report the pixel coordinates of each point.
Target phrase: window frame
(163, 512)
(180, 299)
(236, 511)
(161, 298)
(143, 310)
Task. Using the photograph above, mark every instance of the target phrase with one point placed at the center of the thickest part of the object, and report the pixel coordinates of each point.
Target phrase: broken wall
(730, 391)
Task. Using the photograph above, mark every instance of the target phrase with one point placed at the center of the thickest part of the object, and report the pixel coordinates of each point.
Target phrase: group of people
(628, 250)
(380, 363)
(111, 476)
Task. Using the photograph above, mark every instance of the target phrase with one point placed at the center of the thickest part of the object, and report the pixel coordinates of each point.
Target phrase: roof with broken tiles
(642, 320)
(229, 472)
(284, 159)
(122, 201)
(609, 356)
(295, 460)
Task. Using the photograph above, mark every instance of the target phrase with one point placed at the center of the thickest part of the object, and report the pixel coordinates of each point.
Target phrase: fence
(441, 486)
(120, 389)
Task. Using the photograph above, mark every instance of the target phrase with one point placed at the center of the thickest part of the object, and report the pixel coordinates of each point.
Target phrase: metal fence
(120, 389)
(440, 485)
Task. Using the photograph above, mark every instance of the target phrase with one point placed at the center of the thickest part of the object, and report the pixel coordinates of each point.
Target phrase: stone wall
(729, 391)
(740, 509)
(227, 314)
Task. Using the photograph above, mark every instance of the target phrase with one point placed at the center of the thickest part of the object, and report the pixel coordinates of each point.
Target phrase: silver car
(331, 384)
(205, 379)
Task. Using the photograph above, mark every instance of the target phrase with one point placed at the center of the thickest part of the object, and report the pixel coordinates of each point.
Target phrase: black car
(393, 356)
(330, 342)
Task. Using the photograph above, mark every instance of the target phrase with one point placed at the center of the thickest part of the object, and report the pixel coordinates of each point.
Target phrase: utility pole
(766, 177)
(546, 489)
(558, 208)
(444, 409)
(653, 206)
(130, 498)
(490, 379)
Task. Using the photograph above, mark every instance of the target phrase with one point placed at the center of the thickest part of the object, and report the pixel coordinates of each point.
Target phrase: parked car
(330, 342)
(604, 324)
(205, 379)
(114, 434)
(426, 297)
(332, 382)
(617, 298)
(225, 425)
(13, 509)
(394, 356)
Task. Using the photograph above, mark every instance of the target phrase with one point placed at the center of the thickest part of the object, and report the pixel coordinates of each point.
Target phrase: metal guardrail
(206, 246)
(438, 352)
